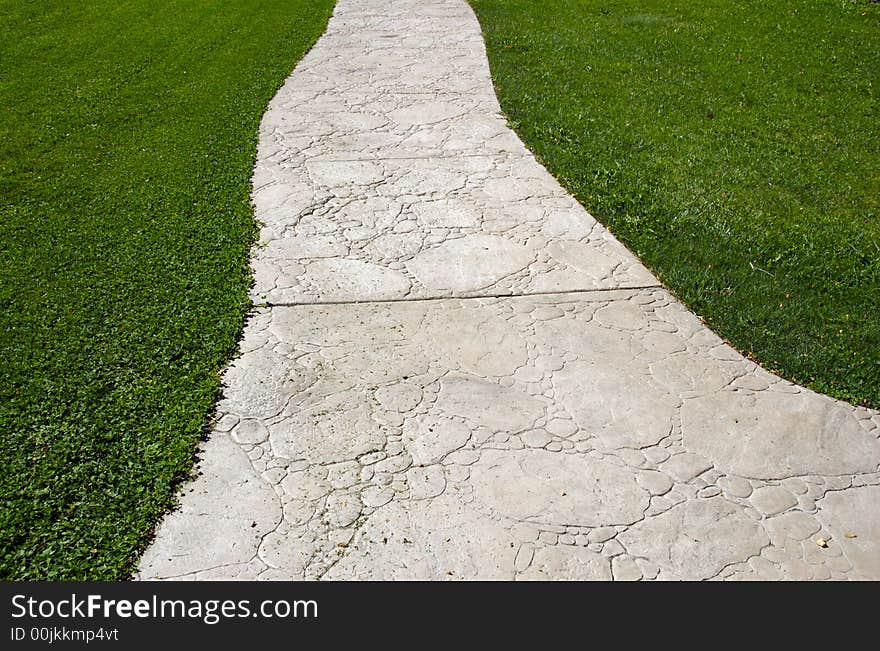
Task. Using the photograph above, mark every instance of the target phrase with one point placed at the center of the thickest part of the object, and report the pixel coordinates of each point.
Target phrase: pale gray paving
(386, 171)
(456, 373)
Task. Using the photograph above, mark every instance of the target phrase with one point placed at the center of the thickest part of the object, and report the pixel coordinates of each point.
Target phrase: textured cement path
(458, 374)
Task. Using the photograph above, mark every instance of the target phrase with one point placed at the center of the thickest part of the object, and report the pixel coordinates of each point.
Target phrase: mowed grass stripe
(127, 139)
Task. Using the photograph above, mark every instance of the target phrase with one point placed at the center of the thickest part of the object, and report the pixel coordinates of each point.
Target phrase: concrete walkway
(459, 374)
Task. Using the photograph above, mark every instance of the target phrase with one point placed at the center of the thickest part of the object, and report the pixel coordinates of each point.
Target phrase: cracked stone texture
(386, 171)
(549, 412)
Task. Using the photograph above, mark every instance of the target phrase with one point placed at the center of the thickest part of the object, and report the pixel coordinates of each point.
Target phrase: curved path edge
(455, 372)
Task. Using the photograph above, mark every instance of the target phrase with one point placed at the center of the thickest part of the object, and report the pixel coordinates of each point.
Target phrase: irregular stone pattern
(397, 450)
(549, 412)
(386, 171)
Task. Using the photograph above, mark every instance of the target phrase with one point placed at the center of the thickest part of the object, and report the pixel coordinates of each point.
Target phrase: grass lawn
(733, 145)
(127, 138)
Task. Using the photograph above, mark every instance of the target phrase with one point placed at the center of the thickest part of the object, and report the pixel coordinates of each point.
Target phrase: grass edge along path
(732, 146)
(128, 136)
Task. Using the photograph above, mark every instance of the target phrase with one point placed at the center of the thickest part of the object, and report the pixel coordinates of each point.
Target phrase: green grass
(733, 145)
(127, 139)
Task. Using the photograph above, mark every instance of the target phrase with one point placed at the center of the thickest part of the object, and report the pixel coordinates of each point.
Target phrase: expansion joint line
(571, 292)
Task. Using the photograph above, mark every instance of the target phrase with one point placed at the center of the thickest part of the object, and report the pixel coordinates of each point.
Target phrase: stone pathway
(458, 374)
